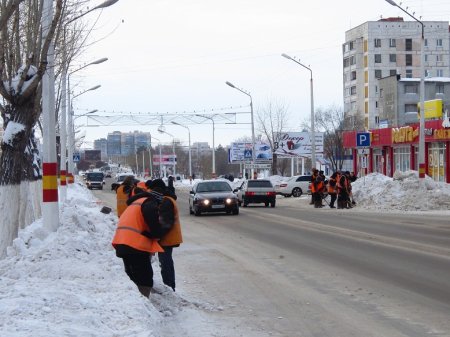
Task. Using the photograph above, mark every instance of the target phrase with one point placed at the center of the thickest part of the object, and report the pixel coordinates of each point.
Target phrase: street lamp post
(71, 134)
(213, 173)
(189, 136)
(313, 132)
(421, 158)
(150, 155)
(253, 124)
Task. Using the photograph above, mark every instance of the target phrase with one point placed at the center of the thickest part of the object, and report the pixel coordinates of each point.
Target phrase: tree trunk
(19, 160)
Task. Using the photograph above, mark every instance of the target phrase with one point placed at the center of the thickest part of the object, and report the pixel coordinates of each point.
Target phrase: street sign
(363, 151)
(363, 139)
(76, 157)
(364, 162)
(258, 166)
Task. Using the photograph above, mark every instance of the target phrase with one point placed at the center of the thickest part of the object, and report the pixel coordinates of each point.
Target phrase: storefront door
(436, 161)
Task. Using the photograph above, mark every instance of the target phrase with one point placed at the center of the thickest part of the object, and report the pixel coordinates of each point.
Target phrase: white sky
(70, 283)
(175, 56)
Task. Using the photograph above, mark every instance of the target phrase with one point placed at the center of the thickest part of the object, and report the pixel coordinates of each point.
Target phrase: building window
(410, 108)
(393, 72)
(439, 58)
(408, 59)
(440, 73)
(346, 62)
(377, 43)
(345, 48)
(439, 88)
(427, 73)
(378, 73)
(392, 43)
(426, 58)
(411, 89)
(426, 42)
(353, 90)
(408, 44)
(393, 58)
(353, 106)
(408, 73)
(351, 45)
(352, 60)
(439, 42)
(377, 58)
(381, 93)
(353, 75)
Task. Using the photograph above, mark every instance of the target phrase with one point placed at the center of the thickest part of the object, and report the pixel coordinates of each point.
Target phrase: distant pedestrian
(123, 193)
(170, 186)
(332, 189)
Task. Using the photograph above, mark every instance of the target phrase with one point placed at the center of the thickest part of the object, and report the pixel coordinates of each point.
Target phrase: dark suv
(257, 191)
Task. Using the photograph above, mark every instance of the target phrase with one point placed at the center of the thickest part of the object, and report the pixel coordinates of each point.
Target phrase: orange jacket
(317, 187)
(332, 189)
(173, 237)
(122, 198)
(130, 228)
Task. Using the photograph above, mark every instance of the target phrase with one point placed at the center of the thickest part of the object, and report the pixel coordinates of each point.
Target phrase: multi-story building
(102, 145)
(377, 49)
(123, 144)
(114, 144)
(399, 98)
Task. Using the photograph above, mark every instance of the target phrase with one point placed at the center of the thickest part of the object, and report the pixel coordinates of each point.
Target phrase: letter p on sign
(363, 139)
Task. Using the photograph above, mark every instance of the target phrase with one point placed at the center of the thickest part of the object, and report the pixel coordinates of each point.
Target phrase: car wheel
(190, 210)
(266, 204)
(197, 212)
(297, 192)
(245, 204)
(236, 211)
(272, 204)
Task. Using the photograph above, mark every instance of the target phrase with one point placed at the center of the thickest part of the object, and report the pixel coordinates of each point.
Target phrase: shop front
(397, 149)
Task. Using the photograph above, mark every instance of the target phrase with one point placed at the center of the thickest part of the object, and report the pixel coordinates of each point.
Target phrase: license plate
(217, 206)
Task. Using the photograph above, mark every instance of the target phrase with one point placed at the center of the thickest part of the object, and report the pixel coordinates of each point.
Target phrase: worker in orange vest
(123, 193)
(317, 188)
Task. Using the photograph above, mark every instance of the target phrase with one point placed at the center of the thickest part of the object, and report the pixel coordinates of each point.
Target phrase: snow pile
(69, 282)
(405, 191)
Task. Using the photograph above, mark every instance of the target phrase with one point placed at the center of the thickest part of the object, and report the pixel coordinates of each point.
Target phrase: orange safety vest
(142, 185)
(332, 189)
(122, 198)
(316, 188)
(130, 228)
(173, 237)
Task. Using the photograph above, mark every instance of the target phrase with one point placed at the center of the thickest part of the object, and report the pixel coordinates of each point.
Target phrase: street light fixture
(90, 89)
(253, 123)
(71, 136)
(85, 114)
(213, 173)
(189, 134)
(421, 158)
(313, 132)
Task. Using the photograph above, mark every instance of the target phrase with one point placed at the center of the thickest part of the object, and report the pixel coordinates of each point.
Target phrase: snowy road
(297, 271)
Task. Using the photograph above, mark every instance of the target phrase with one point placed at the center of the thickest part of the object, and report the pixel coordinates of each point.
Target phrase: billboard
(433, 109)
(93, 155)
(242, 152)
(166, 159)
(297, 144)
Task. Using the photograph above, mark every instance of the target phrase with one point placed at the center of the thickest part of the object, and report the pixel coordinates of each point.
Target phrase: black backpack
(151, 211)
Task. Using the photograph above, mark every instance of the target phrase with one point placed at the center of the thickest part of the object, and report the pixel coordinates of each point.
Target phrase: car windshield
(259, 183)
(122, 178)
(97, 176)
(216, 186)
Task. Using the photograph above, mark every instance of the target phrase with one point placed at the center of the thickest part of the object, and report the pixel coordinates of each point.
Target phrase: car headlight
(206, 202)
(228, 200)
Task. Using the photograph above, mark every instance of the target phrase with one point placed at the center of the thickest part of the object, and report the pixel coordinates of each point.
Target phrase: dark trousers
(139, 269)
(167, 267)
(333, 199)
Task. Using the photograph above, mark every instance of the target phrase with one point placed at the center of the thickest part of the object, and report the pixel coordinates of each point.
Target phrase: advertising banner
(242, 152)
(297, 144)
(166, 159)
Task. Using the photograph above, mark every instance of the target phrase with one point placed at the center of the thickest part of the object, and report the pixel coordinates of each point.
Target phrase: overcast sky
(175, 56)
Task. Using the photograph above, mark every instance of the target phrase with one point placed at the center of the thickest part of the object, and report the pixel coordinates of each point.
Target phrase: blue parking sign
(363, 139)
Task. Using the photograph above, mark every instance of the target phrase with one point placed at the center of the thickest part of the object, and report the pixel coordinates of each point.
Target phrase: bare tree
(332, 122)
(272, 120)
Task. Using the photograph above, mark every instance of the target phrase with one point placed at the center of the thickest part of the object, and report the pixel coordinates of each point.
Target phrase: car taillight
(250, 193)
(271, 194)
(283, 185)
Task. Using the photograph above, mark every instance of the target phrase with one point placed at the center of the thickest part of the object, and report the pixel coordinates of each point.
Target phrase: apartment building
(392, 46)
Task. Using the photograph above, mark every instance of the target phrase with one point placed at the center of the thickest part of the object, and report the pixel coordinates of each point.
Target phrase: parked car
(294, 186)
(95, 180)
(119, 180)
(213, 196)
(256, 191)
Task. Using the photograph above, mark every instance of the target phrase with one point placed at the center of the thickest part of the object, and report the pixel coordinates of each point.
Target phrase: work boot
(145, 291)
